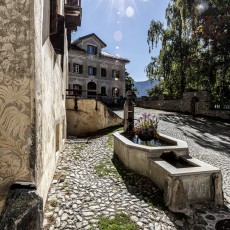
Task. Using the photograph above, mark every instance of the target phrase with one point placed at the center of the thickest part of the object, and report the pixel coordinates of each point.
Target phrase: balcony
(73, 13)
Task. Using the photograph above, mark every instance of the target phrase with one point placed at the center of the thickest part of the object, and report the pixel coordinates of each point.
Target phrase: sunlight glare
(118, 35)
(129, 12)
(202, 7)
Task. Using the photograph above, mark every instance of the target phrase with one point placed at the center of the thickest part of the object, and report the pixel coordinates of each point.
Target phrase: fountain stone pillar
(128, 112)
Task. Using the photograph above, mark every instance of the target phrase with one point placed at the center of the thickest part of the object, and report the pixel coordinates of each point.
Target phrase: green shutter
(80, 69)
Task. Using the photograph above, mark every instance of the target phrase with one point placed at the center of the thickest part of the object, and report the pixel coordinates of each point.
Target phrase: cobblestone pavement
(90, 182)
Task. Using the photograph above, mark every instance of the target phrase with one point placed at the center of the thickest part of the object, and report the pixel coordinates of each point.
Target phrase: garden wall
(88, 116)
(197, 103)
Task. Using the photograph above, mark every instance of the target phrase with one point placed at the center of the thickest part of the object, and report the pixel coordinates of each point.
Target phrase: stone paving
(90, 182)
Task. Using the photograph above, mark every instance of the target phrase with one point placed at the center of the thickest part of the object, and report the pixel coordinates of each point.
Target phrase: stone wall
(91, 116)
(197, 103)
(32, 97)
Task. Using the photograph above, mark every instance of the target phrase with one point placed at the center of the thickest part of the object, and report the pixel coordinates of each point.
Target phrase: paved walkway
(90, 182)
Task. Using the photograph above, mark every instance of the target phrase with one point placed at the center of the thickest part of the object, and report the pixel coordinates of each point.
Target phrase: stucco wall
(90, 117)
(32, 97)
(50, 85)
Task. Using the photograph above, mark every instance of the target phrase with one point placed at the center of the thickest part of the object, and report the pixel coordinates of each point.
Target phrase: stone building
(92, 70)
(33, 78)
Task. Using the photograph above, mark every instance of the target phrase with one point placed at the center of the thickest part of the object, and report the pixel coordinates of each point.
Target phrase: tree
(195, 47)
(129, 84)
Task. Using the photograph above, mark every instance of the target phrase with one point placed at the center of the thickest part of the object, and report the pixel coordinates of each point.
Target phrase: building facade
(33, 79)
(92, 71)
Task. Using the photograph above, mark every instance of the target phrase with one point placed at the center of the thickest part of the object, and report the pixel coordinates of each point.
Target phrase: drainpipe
(75, 103)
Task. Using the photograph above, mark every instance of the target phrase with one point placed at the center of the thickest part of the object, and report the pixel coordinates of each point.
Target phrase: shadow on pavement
(205, 216)
(207, 132)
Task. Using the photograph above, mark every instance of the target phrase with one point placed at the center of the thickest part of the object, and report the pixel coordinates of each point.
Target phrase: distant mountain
(143, 86)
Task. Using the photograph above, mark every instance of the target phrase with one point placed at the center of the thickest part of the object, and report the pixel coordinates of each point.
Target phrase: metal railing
(220, 106)
(81, 93)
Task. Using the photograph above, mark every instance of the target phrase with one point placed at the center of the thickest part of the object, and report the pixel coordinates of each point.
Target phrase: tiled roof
(105, 54)
(87, 36)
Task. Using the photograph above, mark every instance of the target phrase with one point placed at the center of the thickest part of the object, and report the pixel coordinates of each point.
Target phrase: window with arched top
(115, 92)
(91, 89)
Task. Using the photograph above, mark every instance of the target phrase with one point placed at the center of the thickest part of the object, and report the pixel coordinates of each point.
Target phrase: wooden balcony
(73, 13)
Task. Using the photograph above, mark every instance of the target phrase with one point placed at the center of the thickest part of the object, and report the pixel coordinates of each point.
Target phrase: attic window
(91, 49)
(115, 74)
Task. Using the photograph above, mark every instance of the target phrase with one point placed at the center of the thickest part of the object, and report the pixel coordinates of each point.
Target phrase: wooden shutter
(53, 17)
(94, 71)
(80, 69)
(57, 39)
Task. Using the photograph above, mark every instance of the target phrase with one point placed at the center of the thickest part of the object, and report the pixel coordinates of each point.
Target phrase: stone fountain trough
(190, 181)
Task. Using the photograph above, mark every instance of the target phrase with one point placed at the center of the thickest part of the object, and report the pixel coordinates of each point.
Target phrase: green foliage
(119, 222)
(195, 52)
(129, 84)
(54, 203)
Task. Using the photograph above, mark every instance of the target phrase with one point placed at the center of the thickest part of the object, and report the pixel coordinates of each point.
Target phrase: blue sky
(123, 26)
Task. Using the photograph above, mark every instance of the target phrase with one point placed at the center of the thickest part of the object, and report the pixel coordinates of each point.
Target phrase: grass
(119, 222)
(110, 137)
(65, 168)
(105, 168)
(54, 203)
(77, 149)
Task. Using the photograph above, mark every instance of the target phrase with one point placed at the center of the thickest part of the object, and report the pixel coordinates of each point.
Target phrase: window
(115, 92)
(103, 72)
(115, 74)
(77, 68)
(92, 71)
(103, 91)
(91, 49)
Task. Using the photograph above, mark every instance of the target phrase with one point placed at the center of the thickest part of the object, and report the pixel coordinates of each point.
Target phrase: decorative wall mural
(14, 121)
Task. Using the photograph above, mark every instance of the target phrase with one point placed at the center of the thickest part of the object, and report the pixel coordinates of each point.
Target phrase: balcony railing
(76, 3)
(220, 106)
(73, 12)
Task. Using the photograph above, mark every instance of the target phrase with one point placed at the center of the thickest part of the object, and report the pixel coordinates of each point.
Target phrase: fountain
(184, 179)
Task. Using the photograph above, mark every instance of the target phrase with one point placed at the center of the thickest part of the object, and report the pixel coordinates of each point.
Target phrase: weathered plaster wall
(50, 85)
(32, 97)
(17, 150)
(90, 117)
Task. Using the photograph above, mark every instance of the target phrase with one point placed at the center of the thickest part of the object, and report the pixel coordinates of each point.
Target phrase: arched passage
(91, 87)
(195, 105)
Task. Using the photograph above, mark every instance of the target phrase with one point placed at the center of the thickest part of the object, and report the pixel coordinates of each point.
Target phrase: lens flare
(118, 35)
(202, 7)
(129, 12)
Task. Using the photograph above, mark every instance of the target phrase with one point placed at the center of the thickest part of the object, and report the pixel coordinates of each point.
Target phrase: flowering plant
(147, 126)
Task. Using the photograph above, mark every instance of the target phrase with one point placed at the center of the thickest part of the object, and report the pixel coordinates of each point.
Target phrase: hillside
(143, 86)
